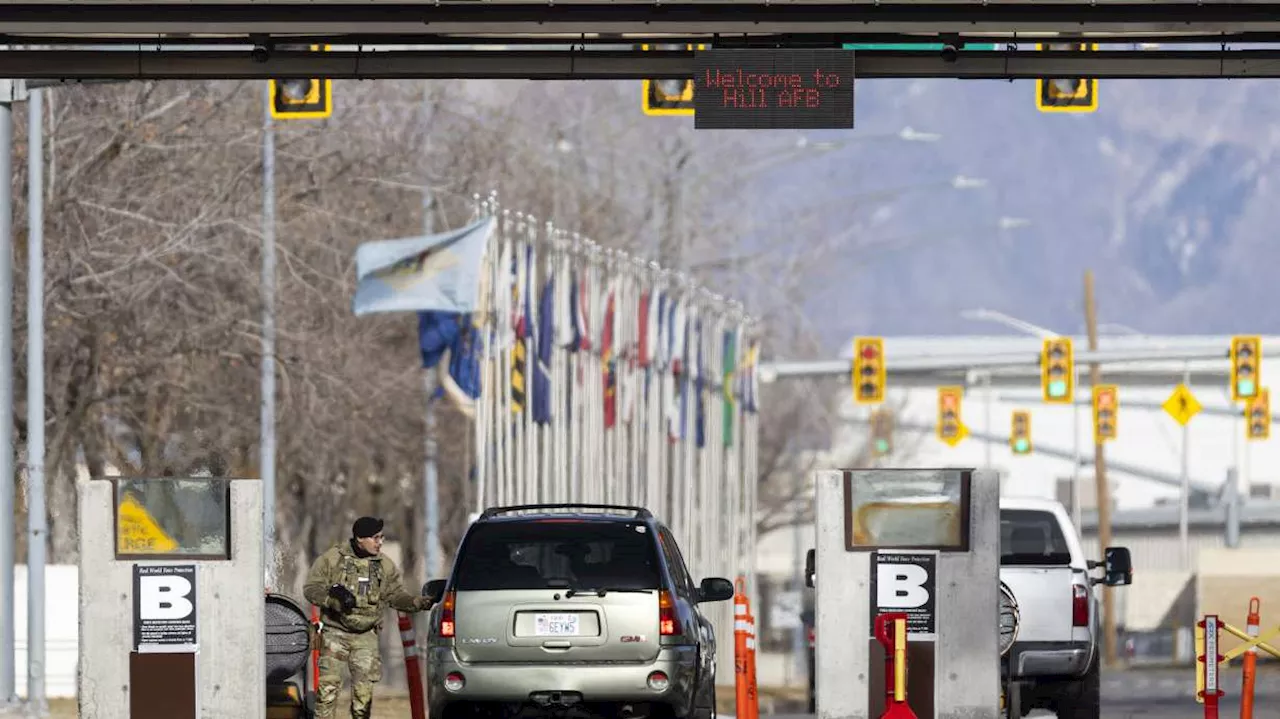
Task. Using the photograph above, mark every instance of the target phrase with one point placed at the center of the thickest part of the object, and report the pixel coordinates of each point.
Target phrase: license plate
(556, 625)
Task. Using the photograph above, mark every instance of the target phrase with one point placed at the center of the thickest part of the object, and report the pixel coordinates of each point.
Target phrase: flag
(608, 364)
(462, 382)
(437, 331)
(565, 297)
(435, 272)
(699, 386)
(726, 389)
(519, 349)
(546, 341)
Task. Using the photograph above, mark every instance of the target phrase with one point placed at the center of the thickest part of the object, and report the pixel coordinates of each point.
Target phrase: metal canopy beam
(1201, 492)
(733, 18)
(151, 64)
(1008, 362)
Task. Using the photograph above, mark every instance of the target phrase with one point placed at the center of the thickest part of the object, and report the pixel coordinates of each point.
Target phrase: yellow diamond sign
(1182, 405)
(138, 532)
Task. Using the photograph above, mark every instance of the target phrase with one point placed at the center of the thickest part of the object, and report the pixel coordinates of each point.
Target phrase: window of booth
(172, 517)
(924, 509)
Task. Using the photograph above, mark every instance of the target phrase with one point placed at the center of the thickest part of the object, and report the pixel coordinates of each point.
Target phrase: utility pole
(267, 462)
(431, 560)
(37, 522)
(1100, 477)
(8, 603)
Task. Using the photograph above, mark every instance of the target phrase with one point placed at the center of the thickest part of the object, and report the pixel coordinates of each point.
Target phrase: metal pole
(799, 638)
(267, 462)
(987, 399)
(8, 692)
(1185, 499)
(37, 529)
(430, 481)
(1077, 491)
(1101, 487)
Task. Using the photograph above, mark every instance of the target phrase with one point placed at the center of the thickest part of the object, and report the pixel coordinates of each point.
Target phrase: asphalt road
(1168, 694)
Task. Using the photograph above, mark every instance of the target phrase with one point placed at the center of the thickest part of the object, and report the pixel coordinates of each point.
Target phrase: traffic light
(949, 420)
(881, 432)
(670, 96)
(1071, 94)
(1058, 371)
(868, 370)
(299, 98)
(1257, 415)
(1246, 367)
(1020, 434)
(1106, 407)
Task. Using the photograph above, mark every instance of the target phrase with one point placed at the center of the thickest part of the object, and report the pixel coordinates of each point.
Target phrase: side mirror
(434, 589)
(810, 567)
(715, 589)
(1118, 567)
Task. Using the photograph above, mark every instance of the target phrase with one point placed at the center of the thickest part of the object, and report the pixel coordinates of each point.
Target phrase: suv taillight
(1079, 606)
(668, 622)
(447, 626)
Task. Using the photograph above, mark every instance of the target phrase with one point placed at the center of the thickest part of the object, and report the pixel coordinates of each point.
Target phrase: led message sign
(773, 89)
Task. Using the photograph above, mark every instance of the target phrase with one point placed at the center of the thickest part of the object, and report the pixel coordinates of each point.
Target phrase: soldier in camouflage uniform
(352, 583)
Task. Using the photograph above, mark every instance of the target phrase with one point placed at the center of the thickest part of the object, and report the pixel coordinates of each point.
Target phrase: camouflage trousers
(359, 654)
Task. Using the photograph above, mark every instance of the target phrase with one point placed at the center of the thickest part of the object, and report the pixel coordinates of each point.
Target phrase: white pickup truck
(1055, 660)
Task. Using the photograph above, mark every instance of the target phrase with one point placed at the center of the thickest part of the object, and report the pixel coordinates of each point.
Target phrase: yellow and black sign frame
(318, 104)
(657, 104)
(1085, 97)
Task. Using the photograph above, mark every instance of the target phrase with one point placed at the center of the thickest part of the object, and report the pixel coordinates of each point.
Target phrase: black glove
(344, 597)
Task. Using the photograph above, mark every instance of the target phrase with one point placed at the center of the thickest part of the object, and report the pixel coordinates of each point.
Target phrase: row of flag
(591, 376)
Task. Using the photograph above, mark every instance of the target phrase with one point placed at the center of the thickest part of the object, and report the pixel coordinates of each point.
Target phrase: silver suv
(571, 610)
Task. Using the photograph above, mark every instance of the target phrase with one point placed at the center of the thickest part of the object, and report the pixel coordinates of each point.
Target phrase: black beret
(366, 527)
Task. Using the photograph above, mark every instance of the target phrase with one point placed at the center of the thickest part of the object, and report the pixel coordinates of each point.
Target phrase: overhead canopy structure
(592, 21)
(599, 39)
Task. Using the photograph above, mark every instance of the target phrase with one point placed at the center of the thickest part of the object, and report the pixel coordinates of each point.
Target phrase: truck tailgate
(1044, 597)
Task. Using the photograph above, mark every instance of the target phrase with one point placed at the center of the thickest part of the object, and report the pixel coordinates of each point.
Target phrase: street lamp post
(1043, 333)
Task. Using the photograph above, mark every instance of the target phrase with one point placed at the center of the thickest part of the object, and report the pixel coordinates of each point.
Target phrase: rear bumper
(1049, 660)
(515, 683)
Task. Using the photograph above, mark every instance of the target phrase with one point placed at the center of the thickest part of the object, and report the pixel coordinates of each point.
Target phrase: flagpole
(559, 354)
(430, 482)
(533, 430)
(689, 431)
(480, 451)
(508, 343)
(515, 419)
(633, 377)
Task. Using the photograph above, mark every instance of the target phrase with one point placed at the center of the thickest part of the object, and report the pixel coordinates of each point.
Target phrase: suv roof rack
(640, 512)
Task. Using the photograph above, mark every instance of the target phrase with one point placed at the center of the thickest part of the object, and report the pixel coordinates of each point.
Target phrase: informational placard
(165, 616)
(773, 89)
(906, 582)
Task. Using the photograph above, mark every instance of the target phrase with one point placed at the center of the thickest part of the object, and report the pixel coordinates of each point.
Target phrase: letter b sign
(164, 606)
(901, 586)
(165, 597)
(905, 582)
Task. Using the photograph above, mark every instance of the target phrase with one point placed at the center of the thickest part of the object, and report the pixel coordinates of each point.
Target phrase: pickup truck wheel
(1082, 699)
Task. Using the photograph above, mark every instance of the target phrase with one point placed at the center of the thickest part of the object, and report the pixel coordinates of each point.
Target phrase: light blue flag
(438, 272)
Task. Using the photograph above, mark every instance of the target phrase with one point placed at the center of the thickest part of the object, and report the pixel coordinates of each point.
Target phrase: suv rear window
(559, 553)
(1031, 537)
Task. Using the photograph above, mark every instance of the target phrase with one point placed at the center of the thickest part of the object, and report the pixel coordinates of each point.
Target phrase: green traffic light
(1020, 445)
(882, 445)
(1057, 388)
(1245, 388)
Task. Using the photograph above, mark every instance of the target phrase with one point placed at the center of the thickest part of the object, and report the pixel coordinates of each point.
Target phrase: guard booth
(171, 598)
(918, 550)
